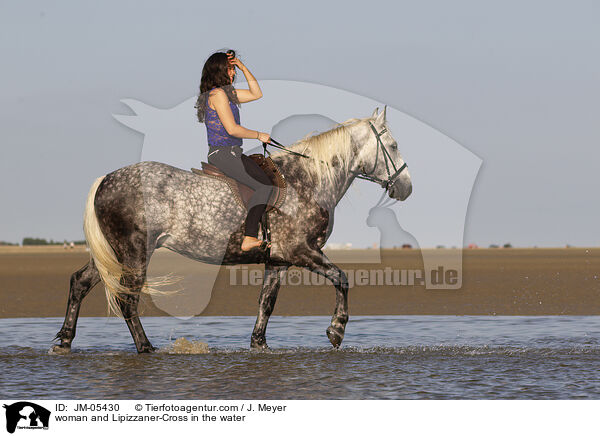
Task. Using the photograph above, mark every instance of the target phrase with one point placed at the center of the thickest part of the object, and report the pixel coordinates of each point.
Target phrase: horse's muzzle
(400, 190)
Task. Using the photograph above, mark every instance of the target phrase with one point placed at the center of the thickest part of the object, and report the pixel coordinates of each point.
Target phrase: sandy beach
(34, 282)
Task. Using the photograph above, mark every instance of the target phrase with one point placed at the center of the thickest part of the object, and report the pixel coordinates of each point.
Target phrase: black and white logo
(26, 415)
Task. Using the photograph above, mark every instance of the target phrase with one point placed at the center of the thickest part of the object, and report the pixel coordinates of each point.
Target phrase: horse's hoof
(146, 349)
(59, 349)
(258, 344)
(335, 335)
(260, 348)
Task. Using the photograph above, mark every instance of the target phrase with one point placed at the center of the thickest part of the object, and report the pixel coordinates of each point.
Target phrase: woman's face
(231, 72)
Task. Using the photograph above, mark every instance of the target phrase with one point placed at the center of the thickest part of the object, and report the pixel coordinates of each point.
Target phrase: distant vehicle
(406, 246)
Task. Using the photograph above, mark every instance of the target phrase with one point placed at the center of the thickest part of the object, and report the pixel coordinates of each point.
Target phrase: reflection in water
(383, 357)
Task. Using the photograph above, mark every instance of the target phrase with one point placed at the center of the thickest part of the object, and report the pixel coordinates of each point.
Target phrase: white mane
(327, 150)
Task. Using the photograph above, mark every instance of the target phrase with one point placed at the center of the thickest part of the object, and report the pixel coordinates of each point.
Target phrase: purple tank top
(215, 132)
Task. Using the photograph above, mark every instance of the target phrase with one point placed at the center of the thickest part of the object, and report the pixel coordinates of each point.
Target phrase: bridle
(385, 183)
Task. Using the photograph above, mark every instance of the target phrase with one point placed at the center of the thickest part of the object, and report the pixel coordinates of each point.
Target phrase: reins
(276, 144)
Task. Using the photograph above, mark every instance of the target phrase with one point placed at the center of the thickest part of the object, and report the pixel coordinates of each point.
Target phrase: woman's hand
(264, 137)
(235, 61)
(244, 95)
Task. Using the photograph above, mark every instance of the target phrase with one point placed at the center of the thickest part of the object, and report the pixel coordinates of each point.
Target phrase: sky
(514, 83)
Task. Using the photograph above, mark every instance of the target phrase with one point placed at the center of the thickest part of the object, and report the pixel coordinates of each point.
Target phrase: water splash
(183, 346)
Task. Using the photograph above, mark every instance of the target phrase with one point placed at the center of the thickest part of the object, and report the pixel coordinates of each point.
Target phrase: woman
(218, 108)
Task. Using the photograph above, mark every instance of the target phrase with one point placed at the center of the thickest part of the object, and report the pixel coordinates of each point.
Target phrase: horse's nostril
(400, 192)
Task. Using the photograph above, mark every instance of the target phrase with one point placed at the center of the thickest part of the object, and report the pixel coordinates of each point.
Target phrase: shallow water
(382, 357)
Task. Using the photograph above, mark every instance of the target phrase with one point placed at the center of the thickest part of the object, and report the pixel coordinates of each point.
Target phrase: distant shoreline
(34, 282)
(16, 249)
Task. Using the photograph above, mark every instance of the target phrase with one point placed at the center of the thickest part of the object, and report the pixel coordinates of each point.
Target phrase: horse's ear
(381, 117)
(374, 114)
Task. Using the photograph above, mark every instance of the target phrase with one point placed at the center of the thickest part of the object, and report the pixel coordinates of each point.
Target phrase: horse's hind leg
(82, 282)
(128, 304)
(266, 303)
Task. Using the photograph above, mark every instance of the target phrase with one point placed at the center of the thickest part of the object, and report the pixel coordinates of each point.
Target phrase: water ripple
(406, 357)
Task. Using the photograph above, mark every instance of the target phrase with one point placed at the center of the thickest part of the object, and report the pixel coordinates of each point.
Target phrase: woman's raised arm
(246, 95)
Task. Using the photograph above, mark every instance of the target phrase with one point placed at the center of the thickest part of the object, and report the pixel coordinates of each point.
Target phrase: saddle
(241, 192)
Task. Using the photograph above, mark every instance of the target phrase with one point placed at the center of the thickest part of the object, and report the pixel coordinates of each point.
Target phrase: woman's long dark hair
(214, 74)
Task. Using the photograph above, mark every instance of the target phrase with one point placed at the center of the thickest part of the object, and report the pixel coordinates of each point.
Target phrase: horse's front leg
(266, 303)
(317, 262)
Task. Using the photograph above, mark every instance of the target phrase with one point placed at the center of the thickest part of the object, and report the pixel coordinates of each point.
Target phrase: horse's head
(380, 158)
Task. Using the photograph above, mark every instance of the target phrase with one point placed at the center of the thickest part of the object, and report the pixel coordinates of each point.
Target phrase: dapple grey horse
(139, 208)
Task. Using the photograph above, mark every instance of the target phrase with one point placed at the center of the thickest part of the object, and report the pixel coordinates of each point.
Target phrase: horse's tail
(109, 267)
(104, 257)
